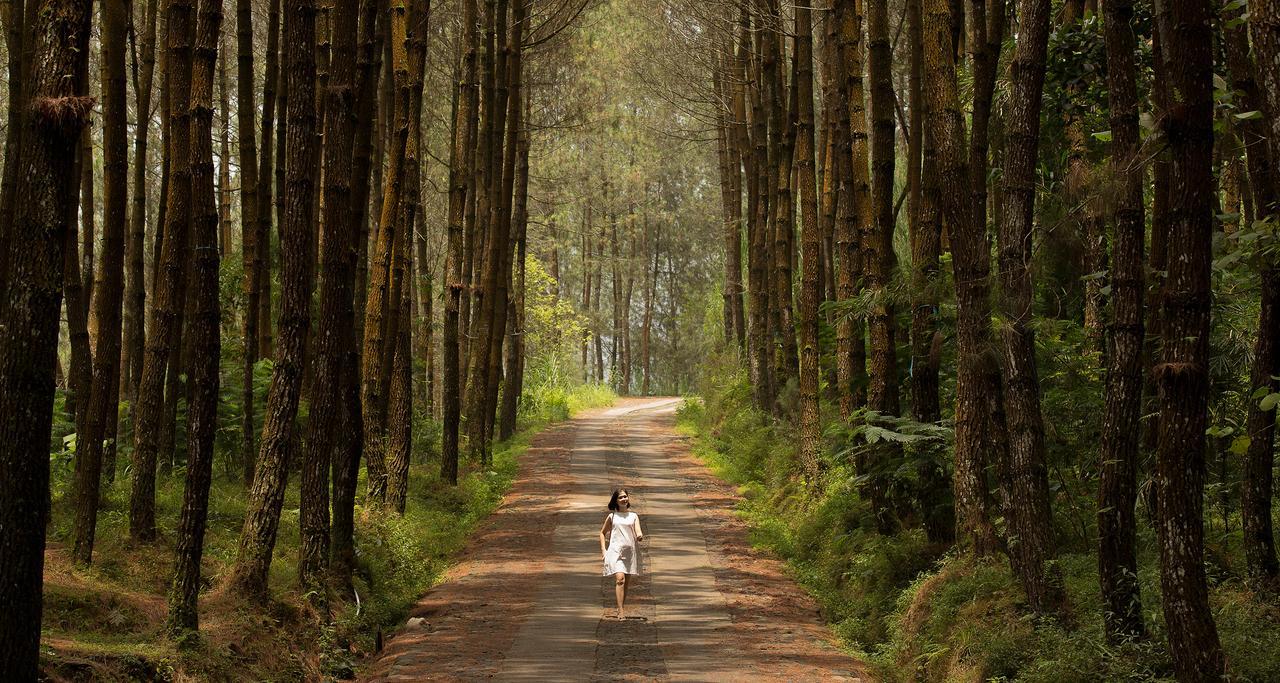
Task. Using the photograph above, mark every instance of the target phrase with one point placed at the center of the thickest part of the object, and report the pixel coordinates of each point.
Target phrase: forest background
(246, 254)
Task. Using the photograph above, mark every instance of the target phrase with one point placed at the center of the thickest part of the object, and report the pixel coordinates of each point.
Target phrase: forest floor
(526, 600)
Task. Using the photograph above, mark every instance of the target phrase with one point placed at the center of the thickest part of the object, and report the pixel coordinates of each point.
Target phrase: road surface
(527, 603)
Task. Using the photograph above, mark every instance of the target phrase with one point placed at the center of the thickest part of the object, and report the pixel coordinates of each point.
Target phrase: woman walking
(618, 538)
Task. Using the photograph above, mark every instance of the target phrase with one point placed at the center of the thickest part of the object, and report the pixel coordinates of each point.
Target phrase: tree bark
(1255, 507)
(250, 251)
(1183, 372)
(271, 113)
(1030, 513)
(80, 373)
(1121, 427)
(758, 264)
(55, 111)
(205, 331)
(135, 294)
(14, 12)
(262, 519)
(516, 314)
(400, 415)
(381, 285)
(972, 267)
(168, 299)
(854, 204)
(811, 252)
(337, 289)
(459, 179)
(925, 230)
(881, 261)
(106, 363)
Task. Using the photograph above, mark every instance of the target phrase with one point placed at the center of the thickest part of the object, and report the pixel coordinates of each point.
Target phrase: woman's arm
(604, 533)
(639, 531)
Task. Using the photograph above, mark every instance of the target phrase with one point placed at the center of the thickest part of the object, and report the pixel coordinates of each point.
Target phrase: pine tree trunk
(459, 179)
(1256, 503)
(80, 373)
(381, 281)
(51, 127)
(205, 331)
(400, 415)
(1030, 515)
(516, 312)
(925, 228)
(1121, 428)
(782, 109)
(972, 267)
(106, 363)
(272, 112)
(88, 226)
(810, 284)
(882, 396)
(13, 18)
(509, 95)
(758, 266)
(250, 253)
(224, 152)
(337, 289)
(135, 294)
(854, 204)
(1183, 372)
(262, 518)
(168, 299)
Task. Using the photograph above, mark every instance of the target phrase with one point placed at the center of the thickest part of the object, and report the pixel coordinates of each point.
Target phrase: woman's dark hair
(613, 501)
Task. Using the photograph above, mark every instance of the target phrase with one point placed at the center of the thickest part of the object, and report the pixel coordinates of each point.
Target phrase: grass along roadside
(917, 612)
(104, 622)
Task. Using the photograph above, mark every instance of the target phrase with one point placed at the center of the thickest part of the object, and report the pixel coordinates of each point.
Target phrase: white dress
(622, 556)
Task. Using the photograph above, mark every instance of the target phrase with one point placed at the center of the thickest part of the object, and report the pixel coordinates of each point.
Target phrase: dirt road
(527, 603)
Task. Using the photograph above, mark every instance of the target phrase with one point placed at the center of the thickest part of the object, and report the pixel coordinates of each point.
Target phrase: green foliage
(916, 612)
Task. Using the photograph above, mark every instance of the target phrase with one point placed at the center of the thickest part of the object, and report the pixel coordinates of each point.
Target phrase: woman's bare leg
(620, 590)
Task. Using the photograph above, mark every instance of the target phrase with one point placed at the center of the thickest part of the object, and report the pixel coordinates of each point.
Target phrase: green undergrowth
(105, 622)
(918, 612)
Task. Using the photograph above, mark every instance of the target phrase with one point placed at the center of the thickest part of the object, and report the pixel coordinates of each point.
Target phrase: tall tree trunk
(516, 312)
(1031, 517)
(1255, 508)
(51, 127)
(651, 292)
(854, 204)
(88, 226)
(400, 415)
(781, 150)
(106, 363)
(272, 112)
(459, 178)
(811, 236)
(350, 438)
(1117, 481)
(925, 228)
(13, 16)
(882, 395)
(266, 339)
(80, 375)
(509, 95)
(972, 267)
(262, 519)
(135, 295)
(224, 152)
(205, 331)
(1183, 372)
(250, 251)
(758, 266)
(381, 285)
(168, 299)
(337, 289)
